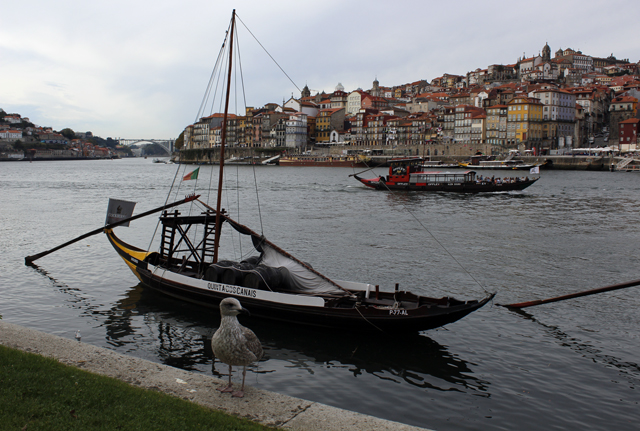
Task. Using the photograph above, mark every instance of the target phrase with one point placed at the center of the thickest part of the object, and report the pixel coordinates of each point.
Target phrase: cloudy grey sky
(139, 68)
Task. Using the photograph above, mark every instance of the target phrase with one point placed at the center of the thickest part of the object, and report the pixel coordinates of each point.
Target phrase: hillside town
(21, 139)
(540, 104)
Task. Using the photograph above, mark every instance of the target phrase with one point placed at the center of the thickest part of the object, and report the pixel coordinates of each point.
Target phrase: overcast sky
(139, 68)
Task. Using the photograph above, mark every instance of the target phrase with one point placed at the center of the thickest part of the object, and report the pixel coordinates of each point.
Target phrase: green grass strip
(38, 393)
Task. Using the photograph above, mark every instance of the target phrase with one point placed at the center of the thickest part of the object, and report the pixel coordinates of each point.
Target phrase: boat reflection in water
(149, 325)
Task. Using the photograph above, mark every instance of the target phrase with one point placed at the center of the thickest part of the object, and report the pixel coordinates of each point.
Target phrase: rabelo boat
(273, 284)
(409, 174)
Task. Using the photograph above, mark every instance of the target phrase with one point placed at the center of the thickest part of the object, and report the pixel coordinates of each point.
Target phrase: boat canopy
(301, 277)
(442, 178)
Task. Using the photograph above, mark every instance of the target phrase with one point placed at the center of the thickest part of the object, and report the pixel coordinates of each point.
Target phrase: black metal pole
(30, 259)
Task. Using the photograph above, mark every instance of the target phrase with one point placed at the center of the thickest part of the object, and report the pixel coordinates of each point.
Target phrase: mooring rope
(434, 237)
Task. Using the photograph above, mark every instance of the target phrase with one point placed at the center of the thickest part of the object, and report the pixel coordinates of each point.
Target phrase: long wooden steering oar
(574, 295)
(29, 259)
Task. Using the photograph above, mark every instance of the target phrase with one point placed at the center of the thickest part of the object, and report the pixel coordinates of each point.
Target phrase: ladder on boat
(167, 238)
(177, 239)
(208, 241)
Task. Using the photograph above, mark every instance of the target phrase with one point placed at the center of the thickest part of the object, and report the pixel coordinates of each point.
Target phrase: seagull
(234, 344)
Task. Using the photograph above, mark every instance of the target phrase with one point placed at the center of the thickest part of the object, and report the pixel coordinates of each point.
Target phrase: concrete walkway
(268, 408)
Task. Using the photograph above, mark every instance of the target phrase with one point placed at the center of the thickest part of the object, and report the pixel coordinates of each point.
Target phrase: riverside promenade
(262, 406)
(585, 162)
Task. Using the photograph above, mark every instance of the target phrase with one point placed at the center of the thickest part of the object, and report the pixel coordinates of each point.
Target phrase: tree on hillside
(152, 149)
(179, 143)
(97, 140)
(111, 143)
(68, 133)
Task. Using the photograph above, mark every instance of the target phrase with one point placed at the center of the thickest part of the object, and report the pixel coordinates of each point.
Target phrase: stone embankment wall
(212, 156)
(588, 163)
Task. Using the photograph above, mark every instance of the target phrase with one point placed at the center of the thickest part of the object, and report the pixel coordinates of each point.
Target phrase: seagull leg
(240, 393)
(229, 387)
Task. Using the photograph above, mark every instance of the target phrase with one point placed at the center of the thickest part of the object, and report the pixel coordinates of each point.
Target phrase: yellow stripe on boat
(130, 250)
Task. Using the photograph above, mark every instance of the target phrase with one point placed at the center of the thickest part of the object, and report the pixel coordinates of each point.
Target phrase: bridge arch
(166, 144)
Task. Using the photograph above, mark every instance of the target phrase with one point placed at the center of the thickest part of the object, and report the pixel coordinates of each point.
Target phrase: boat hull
(338, 313)
(466, 187)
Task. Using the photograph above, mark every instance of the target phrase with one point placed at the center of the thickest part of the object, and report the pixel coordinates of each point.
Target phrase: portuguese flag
(193, 175)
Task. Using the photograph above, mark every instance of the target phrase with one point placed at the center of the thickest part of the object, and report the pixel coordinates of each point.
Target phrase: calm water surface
(568, 365)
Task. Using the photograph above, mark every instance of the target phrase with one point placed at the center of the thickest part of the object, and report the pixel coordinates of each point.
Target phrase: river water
(567, 365)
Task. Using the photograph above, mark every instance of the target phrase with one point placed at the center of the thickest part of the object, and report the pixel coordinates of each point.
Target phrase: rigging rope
(434, 237)
(212, 78)
(244, 97)
(165, 202)
(217, 85)
(265, 50)
(235, 99)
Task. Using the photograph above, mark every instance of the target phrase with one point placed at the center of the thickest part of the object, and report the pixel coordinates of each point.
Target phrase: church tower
(375, 91)
(305, 92)
(546, 53)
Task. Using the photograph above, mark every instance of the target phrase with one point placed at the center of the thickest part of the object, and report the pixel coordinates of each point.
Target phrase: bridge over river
(166, 144)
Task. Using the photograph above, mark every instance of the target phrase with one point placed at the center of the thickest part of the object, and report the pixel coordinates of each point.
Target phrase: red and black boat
(409, 174)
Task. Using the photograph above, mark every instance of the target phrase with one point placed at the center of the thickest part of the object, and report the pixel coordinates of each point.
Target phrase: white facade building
(559, 105)
(201, 135)
(296, 130)
(583, 62)
(309, 108)
(10, 134)
(528, 64)
(354, 102)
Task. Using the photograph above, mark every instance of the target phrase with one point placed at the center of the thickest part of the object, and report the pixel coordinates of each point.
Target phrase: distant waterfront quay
(591, 162)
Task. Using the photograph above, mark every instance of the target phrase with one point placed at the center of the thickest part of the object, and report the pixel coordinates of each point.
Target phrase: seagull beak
(245, 311)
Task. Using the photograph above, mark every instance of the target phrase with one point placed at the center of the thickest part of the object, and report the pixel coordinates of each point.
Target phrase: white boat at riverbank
(11, 156)
(499, 164)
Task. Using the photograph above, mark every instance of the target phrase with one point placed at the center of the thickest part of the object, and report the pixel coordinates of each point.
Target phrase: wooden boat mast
(216, 243)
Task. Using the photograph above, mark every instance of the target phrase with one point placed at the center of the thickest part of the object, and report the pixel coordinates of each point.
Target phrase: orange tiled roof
(624, 99)
(218, 116)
